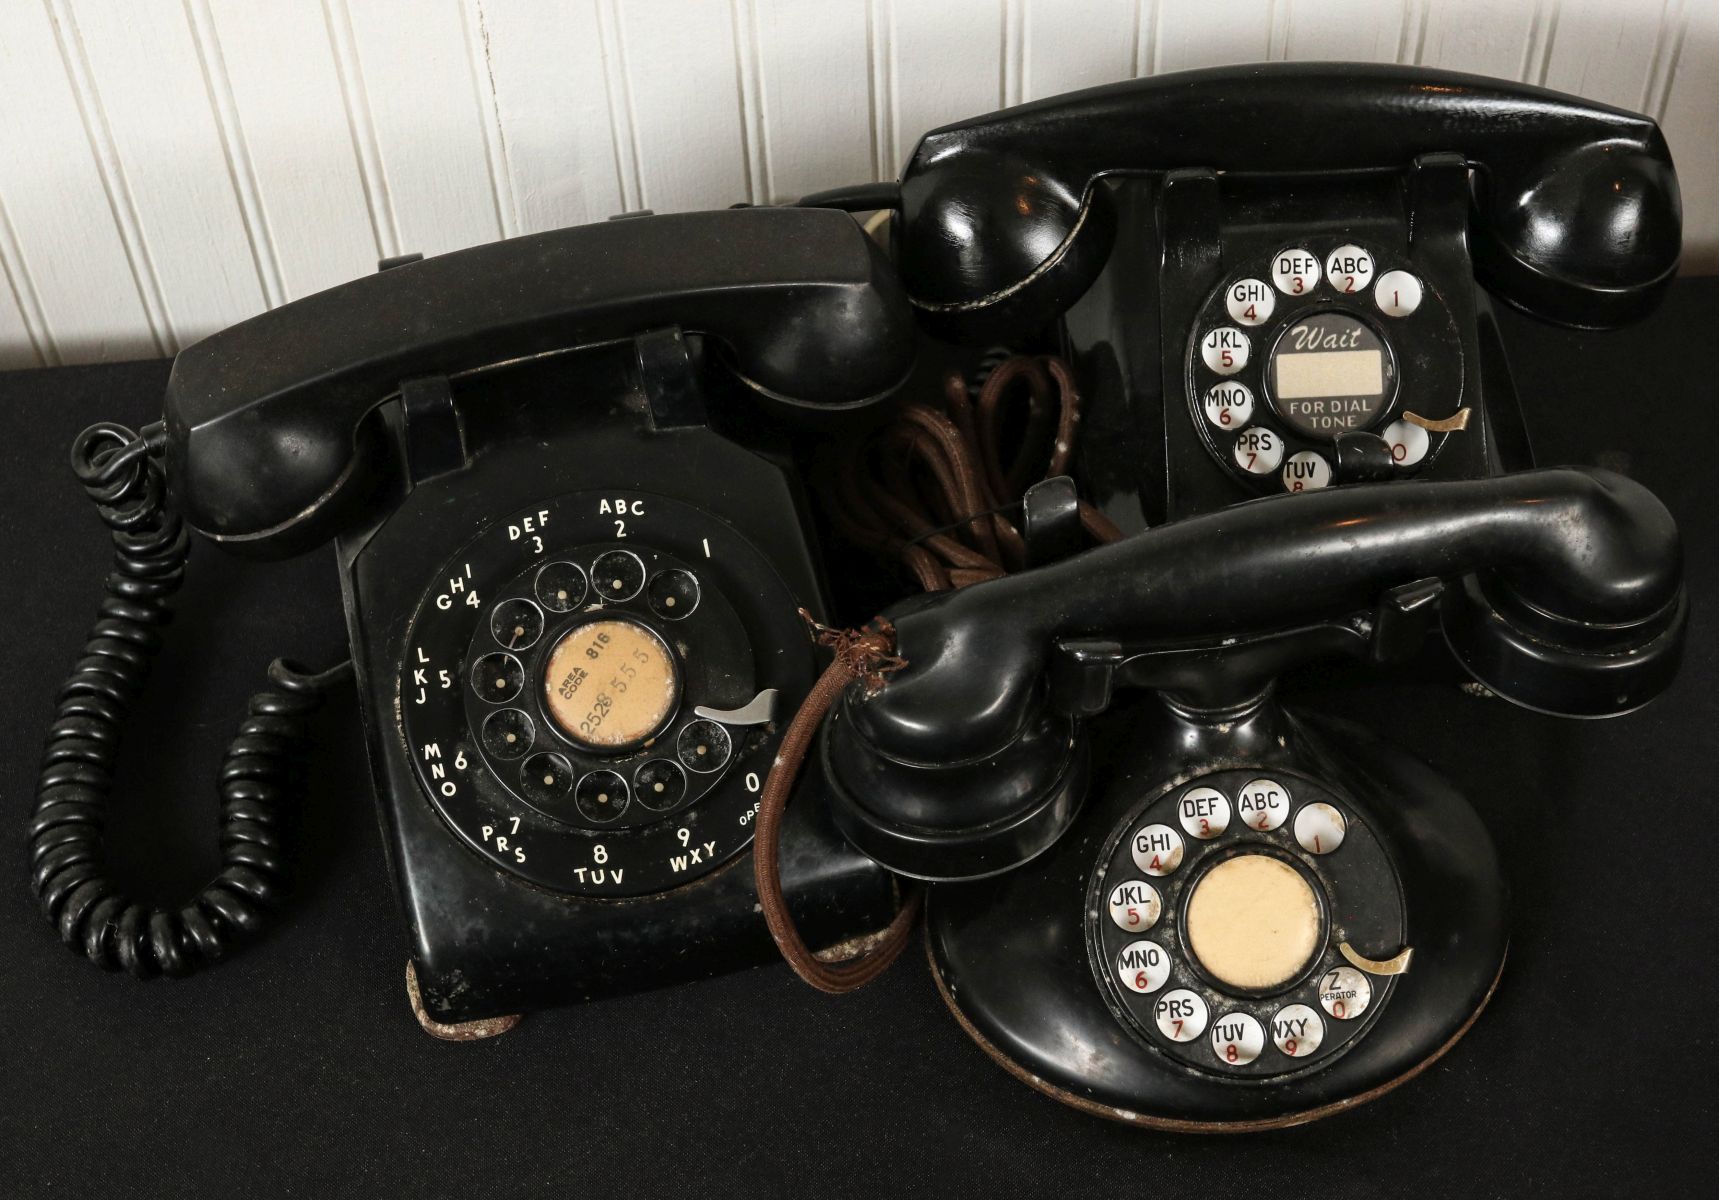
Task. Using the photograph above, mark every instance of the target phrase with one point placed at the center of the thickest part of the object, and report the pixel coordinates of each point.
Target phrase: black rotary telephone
(1204, 910)
(1268, 273)
(569, 526)
(572, 554)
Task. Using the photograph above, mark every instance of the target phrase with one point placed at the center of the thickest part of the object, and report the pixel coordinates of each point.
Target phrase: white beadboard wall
(168, 167)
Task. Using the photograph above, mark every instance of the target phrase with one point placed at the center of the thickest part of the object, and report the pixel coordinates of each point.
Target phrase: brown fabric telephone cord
(869, 655)
(932, 491)
(929, 490)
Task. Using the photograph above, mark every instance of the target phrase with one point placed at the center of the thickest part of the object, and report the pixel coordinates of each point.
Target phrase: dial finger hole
(509, 733)
(673, 594)
(659, 784)
(601, 797)
(561, 586)
(497, 678)
(704, 746)
(516, 624)
(546, 778)
(617, 575)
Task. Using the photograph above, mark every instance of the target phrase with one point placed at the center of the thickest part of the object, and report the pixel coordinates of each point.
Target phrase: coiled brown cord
(930, 490)
(260, 775)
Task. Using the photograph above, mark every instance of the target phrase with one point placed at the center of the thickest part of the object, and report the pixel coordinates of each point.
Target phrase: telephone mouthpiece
(1609, 653)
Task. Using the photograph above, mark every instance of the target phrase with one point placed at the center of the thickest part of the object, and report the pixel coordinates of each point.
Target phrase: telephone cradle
(568, 480)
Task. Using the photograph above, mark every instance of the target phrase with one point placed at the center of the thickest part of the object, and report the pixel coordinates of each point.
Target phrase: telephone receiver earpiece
(1561, 590)
(992, 244)
(1588, 237)
(270, 423)
(1005, 219)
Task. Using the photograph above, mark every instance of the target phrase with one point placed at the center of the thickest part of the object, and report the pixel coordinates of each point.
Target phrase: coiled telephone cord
(932, 491)
(261, 777)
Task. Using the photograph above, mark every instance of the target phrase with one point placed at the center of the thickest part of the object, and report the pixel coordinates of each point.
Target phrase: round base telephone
(1270, 920)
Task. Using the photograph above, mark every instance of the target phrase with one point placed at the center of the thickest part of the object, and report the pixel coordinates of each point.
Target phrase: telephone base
(518, 894)
(1034, 968)
(487, 948)
(1081, 1103)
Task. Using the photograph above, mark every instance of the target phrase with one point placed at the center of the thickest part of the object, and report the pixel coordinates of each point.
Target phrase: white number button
(1295, 272)
(1350, 269)
(1134, 906)
(1408, 442)
(1237, 1039)
(1262, 804)
(1225, 349)
(1181, 1015)
(1259, 451)
(1297, 1030)
(1250, 302)
(1306, 471)
(1205, 812)
(1398, 293)
(1345, 993)
(1320, 828)
(1142, 966)
(1157, 849)
(1229, 405)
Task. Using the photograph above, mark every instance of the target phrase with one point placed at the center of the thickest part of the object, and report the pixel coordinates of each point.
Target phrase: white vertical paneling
(1687, 100)
(152, 92)
(1210, 33)
(24, 337)
(944, 61)
(64, 240)
(1484, 37)
(690, 138)
(241, 171)
(292, 137)
(417, 72)
(168, 166)
(556, 132)
(1344, 30)
(1013, 52)
(619, 91)
(749, 84)
(1604, 49)
(1073, 44)
(120, 198)
(815, 98)
(18, 346)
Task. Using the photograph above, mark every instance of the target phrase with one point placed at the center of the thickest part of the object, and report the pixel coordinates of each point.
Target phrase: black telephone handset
(573, 553)
(1204, 910)
(1267, 274)
(272, 425)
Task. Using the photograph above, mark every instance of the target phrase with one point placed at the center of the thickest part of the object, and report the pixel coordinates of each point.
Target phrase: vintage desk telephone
(571, 584)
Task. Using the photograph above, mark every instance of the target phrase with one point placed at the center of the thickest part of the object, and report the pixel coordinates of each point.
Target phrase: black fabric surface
(296, 1069)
